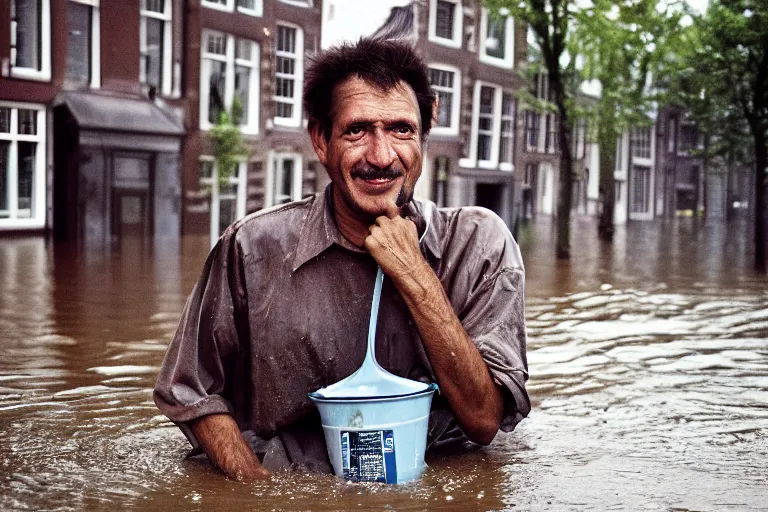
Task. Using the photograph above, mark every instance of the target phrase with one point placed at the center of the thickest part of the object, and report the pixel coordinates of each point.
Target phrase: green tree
(624, 46)
(619, 44)
(721, 76)
(228, 144)
(551, 21)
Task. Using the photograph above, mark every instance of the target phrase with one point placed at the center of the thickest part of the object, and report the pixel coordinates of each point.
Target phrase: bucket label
(369, 456)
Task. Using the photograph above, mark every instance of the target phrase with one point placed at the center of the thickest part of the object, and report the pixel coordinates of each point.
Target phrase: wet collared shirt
(282, 309)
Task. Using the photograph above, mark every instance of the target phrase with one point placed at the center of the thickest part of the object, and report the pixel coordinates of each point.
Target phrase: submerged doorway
(490, 195)
(131, 193)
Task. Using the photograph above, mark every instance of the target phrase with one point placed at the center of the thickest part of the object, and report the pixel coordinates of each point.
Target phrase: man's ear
(319, 142)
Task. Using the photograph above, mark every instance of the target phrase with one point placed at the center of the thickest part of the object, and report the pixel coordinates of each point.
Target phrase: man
(283, 304)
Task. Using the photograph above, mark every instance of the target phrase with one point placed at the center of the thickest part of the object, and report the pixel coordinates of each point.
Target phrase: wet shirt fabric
(282, 309)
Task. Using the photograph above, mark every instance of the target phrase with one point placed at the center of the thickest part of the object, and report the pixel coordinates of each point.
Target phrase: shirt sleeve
(193, 378)
(493, 312)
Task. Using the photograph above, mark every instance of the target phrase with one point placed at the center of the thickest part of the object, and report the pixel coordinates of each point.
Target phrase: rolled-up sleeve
(494, 314)
(193, 378)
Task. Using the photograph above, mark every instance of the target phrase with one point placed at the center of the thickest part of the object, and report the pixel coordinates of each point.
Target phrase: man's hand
(394, 244)
(461, 372)
(222, 442)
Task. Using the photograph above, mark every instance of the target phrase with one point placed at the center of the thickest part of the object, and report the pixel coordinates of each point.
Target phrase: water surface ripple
(648, 394)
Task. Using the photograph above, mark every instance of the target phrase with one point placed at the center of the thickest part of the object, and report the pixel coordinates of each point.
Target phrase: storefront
(116, 169)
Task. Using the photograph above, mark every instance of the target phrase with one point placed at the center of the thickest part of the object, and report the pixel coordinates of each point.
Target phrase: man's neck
(351, 225)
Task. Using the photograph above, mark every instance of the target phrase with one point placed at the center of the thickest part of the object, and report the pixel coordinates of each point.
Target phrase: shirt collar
(319, 230)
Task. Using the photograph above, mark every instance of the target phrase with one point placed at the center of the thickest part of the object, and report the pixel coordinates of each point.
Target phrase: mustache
(369, 172)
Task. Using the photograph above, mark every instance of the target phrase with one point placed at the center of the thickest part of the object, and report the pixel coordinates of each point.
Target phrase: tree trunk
(565, 190)
(761, 163)
(606, 136)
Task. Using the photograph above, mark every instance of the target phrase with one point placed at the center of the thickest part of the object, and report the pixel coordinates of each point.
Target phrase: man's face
(373, 154)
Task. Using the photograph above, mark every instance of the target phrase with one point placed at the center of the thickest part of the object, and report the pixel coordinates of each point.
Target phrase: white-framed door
(227, 199)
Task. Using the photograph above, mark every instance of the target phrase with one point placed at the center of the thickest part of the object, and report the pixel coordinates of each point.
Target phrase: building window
(229, 70)
(445, 22)
(441, 173)
(485, 124)
(671, 134)
(688, 138)
(289, 75)
(578, 147)
(446, 82)
(497, 36)
(640, 189)
(22, 166)
(507, 139)
(155, 45)
(250, 7)
(488, 117)
(83, 44)
(30, 48)
(227, 203)
(284, 181)
(532, 128)
(299, 3)
(641, 142)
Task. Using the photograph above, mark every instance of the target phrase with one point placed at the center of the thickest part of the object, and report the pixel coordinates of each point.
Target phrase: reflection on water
(649, 364)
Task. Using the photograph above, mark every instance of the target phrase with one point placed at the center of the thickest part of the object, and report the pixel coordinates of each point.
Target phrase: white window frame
(37, 215)
(472, 160)
(44, 73)
(167, 18)
(95, 41)
(508, 166)
(231, 6)
(275, 160)
(213, 183)
(299, 3)
(509, 41)
(453, 129)
(298, 77)
(634, 133)
(252, 127)
(458, 21)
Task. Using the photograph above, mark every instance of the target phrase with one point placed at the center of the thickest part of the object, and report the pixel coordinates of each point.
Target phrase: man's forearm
(460, 369)
(222, 442)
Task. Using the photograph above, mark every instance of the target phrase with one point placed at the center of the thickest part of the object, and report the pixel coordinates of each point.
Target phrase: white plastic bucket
(376, 439)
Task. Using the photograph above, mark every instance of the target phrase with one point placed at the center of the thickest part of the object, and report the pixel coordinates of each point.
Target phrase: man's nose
(380, 152)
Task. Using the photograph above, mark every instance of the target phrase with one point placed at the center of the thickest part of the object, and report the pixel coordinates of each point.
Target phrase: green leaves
(228, 145)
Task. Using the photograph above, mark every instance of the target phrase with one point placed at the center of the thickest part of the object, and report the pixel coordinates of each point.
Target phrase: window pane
(79, 43)
(507, 105)
(26, 177)
(242, 84)
(227, 212)
(284, 87)
(495, 40)
(5, 120)
(506, 149)
(286, 39)
(25, 18)
(217, 44)
(243, 49)
(285, 65)
(155, 6)
(444, 109)
(486, 100)
(286, 182)
(483, 147)
(247, 4)
(206, 169)
(441, 78)
(444, 19)
(5, 147)
(216, 90)
(153, 58)
(284, 110)
(27, 122)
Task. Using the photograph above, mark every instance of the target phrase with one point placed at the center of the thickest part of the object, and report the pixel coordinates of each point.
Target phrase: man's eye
(355, 130)
(403, 130)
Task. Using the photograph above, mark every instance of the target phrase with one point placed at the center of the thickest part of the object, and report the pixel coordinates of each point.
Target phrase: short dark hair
(381, 63)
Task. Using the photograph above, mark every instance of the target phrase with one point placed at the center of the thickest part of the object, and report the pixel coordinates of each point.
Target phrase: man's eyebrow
(365, 122)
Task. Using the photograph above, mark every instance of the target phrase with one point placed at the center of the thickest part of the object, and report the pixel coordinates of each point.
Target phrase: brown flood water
(649, 379)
